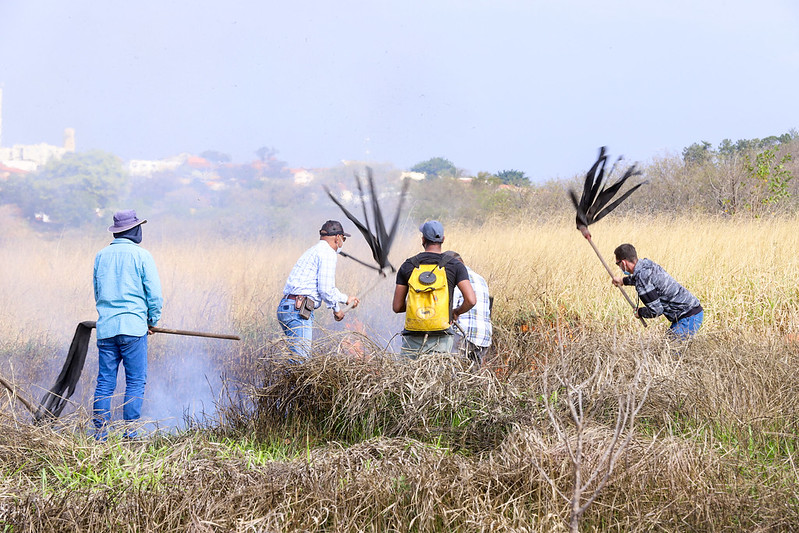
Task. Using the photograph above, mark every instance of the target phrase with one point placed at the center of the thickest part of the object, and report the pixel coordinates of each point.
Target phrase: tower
(69, 139)
(1, 115)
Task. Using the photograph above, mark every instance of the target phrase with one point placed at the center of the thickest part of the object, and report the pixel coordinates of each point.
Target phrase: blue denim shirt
(127, 290)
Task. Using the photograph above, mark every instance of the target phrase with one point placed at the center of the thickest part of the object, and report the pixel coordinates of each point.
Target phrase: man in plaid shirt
(475, 323)
(313, 277)
(659, 292)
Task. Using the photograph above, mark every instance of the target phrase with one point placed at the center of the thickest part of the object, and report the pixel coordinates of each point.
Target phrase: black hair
(626, 252)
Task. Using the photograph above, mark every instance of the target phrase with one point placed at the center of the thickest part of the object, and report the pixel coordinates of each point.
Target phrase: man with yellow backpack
(424, 292)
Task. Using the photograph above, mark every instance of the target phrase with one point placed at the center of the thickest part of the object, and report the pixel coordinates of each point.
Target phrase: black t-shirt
(456, 271)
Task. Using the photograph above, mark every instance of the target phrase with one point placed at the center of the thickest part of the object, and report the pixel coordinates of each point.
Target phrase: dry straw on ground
(386, 445)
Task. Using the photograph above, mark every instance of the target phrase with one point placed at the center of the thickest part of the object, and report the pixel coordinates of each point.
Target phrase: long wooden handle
(13, 390)
(93, 324)
(195, 333)
(610, 272)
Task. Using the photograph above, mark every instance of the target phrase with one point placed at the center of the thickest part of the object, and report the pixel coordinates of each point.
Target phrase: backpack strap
(446, 257)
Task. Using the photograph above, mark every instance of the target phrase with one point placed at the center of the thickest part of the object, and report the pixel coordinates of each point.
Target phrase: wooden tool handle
(610, 272)
(195, 333)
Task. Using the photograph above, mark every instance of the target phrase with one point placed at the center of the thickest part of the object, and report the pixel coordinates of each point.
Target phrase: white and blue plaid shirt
(314, 275)
(476, 322)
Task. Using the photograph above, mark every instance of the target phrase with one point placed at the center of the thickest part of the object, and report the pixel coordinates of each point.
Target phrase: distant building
(28, 157)
(417, 176)
(6, 172)
(302, 176)
(145, 167)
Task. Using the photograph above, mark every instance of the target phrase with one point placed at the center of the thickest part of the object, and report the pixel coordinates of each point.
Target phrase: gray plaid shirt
(659, 292)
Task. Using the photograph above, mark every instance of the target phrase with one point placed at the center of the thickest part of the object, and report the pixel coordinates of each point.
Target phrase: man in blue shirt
(313, 280)
(127, 291)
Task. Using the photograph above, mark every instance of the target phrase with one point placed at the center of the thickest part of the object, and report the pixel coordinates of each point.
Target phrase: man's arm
(152, 290)
(650, 297)
(400, 292)
(326, 283)
(352, 301)
(469, 299)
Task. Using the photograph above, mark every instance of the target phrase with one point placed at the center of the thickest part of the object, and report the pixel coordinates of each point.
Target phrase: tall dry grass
(358, 440)
(744, 271)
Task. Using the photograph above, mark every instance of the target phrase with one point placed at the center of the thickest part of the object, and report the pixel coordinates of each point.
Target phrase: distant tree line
(439, 167)
(750, 177)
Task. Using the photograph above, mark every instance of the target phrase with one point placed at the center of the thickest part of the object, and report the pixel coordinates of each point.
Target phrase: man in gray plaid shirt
(659, 292)
(476, 322)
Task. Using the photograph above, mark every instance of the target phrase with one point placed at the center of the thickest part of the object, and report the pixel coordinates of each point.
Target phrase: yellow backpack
(427, 307)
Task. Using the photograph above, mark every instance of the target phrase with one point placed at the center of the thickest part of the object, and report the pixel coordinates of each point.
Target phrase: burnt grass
(356, 439)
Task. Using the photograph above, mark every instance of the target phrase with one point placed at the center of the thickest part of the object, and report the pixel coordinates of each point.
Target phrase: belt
(292, 296)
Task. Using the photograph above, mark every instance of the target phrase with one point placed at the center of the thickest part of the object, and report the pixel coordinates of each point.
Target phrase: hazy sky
(490, 85)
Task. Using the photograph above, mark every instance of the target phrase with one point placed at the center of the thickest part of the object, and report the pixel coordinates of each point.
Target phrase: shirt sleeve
(404, 272)
(152, 290)
(461, 273)
(94, 281)
(326, 282)
(650, 297)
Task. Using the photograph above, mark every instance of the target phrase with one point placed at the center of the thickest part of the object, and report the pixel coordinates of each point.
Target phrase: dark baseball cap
(332, 227)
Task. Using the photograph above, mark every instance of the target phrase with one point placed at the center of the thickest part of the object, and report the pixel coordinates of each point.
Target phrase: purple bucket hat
(124, 220)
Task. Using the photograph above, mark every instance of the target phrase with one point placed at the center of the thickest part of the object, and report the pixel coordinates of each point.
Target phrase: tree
(436, 167)
(72, 190)
(269, 165)
(266, 153)
(487, 177)
(215, 157)
(697, 153)
(514, 177)
(768, 180)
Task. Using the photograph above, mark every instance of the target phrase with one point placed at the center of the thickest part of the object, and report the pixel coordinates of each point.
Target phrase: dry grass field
(582, 420)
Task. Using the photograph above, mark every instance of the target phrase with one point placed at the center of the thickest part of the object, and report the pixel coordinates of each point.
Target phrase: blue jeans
(132, 353)
(416, 344)
(685, 328)
(298, 330)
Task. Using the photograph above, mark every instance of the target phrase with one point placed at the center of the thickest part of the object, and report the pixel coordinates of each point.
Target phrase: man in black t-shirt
(415, 343)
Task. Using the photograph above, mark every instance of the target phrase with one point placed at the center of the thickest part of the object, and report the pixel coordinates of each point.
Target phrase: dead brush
(661, 482)
(745, 384)
(433, 398)
(530, 343)
(468, 453)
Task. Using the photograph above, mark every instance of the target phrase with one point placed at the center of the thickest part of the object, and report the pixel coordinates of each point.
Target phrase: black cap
(332, 227)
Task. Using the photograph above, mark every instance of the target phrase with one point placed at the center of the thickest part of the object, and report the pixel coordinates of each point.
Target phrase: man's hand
(338, 315)
(150, 330)
(353, 301)
(618, 281)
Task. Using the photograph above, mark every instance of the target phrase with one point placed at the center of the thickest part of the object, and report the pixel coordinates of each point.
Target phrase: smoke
(183, 387)
(212, 282)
